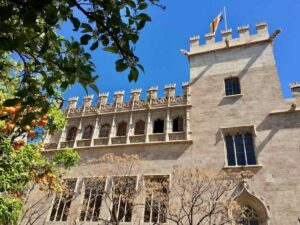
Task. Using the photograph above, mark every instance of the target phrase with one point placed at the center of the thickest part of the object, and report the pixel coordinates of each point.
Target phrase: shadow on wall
(277, 122)
(231, 57)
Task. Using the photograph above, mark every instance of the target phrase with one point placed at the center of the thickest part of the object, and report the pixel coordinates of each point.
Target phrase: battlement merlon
(244, 38)
(295, 88)
(135, 94)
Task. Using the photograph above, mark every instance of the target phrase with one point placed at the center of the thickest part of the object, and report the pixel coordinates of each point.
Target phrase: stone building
(231, 116)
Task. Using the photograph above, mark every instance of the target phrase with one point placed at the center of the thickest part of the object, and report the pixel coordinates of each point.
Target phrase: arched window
(104, 131)
(88, 132)
(122, 129)
(158, 126)
(178, 124)
(139, 127)
(249, 216)
(72, 134)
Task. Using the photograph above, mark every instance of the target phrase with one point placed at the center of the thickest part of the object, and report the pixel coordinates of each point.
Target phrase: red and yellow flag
(214, 24)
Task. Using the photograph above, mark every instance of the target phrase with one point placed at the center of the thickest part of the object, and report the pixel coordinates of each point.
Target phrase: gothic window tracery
(249, 216)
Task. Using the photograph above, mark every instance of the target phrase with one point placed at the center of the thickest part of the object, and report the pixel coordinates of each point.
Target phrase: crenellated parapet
(135, 103)
(295, 88)
(244, 37)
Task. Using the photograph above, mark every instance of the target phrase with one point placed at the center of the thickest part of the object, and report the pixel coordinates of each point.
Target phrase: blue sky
(161, 40)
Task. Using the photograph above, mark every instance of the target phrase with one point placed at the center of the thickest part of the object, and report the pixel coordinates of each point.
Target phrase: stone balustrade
(67, 144)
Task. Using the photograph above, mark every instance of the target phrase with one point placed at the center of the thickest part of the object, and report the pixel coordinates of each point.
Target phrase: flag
(214, 24)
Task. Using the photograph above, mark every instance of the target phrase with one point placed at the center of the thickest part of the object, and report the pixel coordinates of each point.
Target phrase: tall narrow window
(88, 132)
(156, 201)
(93, 193)
(178, 124)
(240, 149)
(72, 134)
(124, 192)
(62, 202)
(122, 129)
(139, 127)
(104, 131)
(158, 126)
(232, 86)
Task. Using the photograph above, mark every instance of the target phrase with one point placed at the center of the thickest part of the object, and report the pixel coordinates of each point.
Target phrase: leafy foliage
(37, 65)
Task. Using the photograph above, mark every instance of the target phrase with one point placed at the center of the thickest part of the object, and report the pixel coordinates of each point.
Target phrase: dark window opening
(72, 134)
(139, 127)
(178, 124)
(240, 149)
(158, 126)
(122, 129)
(88, 132)
(104, 131)
(232, 86)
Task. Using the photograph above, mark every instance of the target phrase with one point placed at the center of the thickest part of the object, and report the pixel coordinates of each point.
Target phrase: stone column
(148, 127)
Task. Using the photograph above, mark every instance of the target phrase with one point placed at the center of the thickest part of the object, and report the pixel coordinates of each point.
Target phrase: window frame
(231, 79)
(83, 189)
(168, 176)
(53, 203)
(243, 130)
(136, 177)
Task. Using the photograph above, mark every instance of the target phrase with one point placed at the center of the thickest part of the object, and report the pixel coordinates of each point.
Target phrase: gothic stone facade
(234, 91)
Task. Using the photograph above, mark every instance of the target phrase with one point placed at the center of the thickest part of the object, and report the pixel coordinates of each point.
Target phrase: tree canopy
(37, 65)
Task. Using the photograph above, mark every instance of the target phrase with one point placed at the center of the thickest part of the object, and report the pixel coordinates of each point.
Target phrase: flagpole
(225, 18)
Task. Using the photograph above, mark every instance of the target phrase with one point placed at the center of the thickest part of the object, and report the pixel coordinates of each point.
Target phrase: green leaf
(133, 75)
(143, 6)
(76, 22)
(86, 28)
(94, 46)
(95, 88)
(111, 49)
(144, 16)
(11, 102)
(120, 65)
(85, 39)
(141, 24)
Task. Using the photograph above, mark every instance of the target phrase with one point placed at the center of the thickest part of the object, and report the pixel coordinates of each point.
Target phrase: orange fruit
(45, 117)
(11, 110)
(10, 126)
(27, 128)
(33, 122)
(18, 106)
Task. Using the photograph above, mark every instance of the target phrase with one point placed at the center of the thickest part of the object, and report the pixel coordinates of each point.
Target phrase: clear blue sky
(169, 31)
